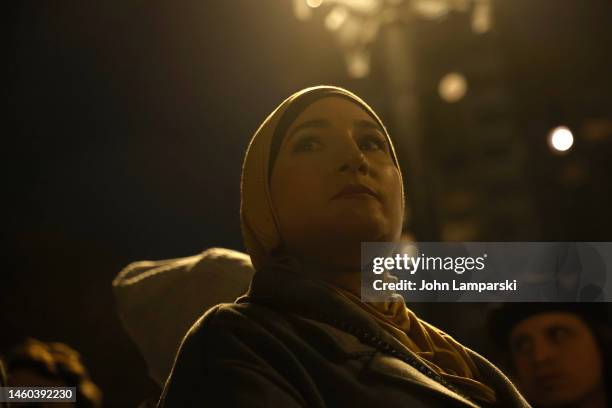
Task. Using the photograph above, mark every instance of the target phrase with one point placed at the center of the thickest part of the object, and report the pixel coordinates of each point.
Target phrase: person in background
(559, 353)
(34, 363)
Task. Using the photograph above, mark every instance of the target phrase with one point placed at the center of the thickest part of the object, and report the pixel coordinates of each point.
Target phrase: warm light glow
(301, 10)
(314, 3)
(358, 64)
(452, 87)
(432, 10)
(356, 24)
(481, 17)
(336, 18)
(560, 139)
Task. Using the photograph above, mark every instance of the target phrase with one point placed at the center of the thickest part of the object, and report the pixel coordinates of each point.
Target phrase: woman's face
(334, 184)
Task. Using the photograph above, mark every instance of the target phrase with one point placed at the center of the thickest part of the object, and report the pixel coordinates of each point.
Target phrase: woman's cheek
(300, 184)
(391, 181)
(393, 185)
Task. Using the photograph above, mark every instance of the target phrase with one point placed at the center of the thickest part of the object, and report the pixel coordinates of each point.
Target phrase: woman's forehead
(321, 111)
(333, 108)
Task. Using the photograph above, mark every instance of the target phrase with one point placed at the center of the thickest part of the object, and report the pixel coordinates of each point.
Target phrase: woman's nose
(355, 162)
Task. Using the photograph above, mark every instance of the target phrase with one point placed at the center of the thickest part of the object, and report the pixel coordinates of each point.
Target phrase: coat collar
(313, 299)
(310, 297)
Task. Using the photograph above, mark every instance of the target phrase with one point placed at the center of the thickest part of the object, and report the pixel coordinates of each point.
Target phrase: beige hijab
(262, 239)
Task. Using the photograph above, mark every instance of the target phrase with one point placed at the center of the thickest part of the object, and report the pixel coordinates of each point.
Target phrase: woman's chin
(359, 230)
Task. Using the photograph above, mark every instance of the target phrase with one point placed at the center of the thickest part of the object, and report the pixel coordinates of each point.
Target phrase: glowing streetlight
(560, 139)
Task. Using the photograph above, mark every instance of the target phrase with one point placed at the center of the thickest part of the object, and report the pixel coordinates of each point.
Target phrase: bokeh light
(452, 87)
(314, 3)
(560, 139)
(336, 18)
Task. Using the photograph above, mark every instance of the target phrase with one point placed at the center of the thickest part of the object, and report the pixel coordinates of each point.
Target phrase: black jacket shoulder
(234, 355)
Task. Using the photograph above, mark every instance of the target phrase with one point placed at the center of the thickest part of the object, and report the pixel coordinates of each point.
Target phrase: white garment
(158, 301)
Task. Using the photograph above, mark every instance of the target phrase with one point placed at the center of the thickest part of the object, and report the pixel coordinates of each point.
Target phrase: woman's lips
(356, 191)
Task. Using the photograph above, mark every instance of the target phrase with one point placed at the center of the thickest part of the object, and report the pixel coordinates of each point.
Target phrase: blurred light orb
(431, 9)
(358, 64)
(481, 17)
(314, 3)
(336, 18)
(560, 139)
(452, 87)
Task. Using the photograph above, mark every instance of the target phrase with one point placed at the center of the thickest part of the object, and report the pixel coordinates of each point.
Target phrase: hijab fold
(260, 230)
(437, 350)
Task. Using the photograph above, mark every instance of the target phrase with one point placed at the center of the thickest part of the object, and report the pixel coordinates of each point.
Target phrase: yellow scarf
(439, 351)
(261, 236)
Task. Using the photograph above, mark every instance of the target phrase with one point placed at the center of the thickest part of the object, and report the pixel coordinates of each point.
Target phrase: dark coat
(293, 342)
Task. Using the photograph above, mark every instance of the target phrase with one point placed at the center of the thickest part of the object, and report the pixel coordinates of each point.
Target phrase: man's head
(556, 357)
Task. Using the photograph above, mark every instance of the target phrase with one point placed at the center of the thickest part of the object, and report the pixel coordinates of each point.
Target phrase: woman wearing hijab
(321, 176)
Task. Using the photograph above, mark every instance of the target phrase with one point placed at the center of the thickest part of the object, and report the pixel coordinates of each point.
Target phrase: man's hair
(503, 319)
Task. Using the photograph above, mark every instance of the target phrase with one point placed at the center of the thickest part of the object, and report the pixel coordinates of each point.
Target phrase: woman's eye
(371, 143)
(307, 144)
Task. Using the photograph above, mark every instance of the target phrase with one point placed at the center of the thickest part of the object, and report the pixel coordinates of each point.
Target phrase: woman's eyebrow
(325, 123)
(367, 124)
(314, 123)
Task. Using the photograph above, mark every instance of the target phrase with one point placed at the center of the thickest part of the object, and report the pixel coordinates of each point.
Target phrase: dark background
(128, 122)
